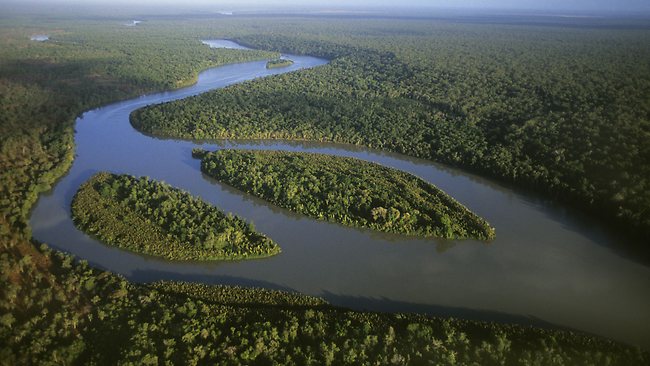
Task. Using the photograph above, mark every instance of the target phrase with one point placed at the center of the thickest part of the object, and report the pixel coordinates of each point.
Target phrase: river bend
(549, 264)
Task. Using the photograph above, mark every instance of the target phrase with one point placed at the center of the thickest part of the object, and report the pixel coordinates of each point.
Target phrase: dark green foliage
(272, 64)
(45, 85)
(239, 296)
(56, 310)
(82, 316)
(199, 153)
(564, 111)
(47, 300)
(348, 191)
(190, 324)
(153, 218)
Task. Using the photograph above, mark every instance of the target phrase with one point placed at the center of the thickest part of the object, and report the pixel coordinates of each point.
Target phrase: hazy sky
(573, 5)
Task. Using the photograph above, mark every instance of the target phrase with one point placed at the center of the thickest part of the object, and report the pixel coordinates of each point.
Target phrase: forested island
(347, 191)
(149, 217)
(281, 62)
(564, 114)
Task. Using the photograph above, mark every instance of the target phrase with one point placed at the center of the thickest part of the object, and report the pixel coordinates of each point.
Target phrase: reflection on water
(39, 37)
(222, 43)
(544, 264)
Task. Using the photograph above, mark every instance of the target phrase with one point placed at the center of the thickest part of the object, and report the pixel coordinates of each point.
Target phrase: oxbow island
(153, 218)
(346, 190)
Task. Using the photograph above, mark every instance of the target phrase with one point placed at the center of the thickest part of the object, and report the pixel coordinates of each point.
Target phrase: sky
(627, 6)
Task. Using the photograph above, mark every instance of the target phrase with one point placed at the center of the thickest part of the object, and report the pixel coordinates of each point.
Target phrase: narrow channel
(548, 265)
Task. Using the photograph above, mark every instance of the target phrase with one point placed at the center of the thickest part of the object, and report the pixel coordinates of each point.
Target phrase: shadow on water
(383, 304)
(600, 231)
(355, 303)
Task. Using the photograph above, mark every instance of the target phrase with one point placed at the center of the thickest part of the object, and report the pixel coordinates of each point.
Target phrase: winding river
(548, 266)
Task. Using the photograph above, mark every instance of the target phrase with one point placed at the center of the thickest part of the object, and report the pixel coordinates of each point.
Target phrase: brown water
(548, 264)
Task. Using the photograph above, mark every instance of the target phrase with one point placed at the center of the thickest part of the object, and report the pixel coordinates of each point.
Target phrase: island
(280, 62)
(153, 218)
(345, 190)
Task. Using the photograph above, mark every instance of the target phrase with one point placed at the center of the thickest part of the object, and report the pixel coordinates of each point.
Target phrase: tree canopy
(348, 191)
(55, 308)
(153, 218)
(562, 111)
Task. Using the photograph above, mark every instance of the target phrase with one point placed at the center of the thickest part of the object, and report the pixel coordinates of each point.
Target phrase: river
(549, 265)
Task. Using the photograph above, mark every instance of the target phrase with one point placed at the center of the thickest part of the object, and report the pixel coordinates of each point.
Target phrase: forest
(57, 309)
(104, 319)
(560, 111)
(348, 191)
(149, 217)
(44, 85)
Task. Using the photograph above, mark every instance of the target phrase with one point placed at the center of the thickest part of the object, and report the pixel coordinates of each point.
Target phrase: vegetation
(165, 326)
(347, 191)
(280, 62)
(90, 317)
(45, 85)
(55, 309)
(560, 110)
(240, 296)
(153, 218)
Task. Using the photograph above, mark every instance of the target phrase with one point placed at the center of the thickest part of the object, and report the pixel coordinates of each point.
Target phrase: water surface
(39, 37)
(548, 264)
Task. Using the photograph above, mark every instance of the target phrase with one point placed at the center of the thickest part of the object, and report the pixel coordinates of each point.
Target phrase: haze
(592, 6)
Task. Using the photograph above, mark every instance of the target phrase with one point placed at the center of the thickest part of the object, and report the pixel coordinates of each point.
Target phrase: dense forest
(348, 191)
(145, 216)
(44, 85)
(559, 110)
(56, 309)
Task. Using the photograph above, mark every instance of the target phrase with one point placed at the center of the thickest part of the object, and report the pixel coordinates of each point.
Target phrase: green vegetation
(153, 218)
(558, 110)
(281, 62)
(58, 310)
(45, 85)
(47, 300)
(348, 191)
(194, 327)
(100, 318)
(240, 296)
